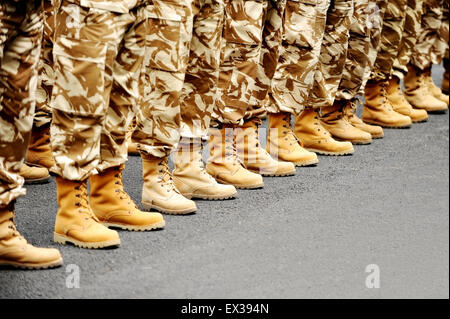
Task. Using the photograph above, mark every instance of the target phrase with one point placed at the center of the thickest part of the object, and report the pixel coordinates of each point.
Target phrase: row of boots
(236, 161)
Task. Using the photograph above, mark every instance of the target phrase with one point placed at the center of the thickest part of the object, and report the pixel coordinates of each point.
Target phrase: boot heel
(59, 239)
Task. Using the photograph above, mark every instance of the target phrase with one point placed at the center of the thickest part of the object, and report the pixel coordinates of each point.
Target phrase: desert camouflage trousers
(97, 62)
(178, 95)
(43, 115)
(411, 33)
(333, 54)
(391, 39)
(431, 44)
(199, 92)
(271, 50)
(444, 34)
(440, 46)
(357, 53)
(304, 26)
(21, 30)
(377, 10)
(240, 54)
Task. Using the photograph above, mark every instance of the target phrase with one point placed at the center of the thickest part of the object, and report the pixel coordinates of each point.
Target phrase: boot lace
(201, 165)
(83, 203)
(121, 191)
(165, 178)
(384, 95)
(230, 149)
(287, 132)
(12, 224)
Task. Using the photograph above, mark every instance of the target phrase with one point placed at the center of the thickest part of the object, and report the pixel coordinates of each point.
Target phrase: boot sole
(384, 125)
(308, 163)
(156, 226)
(293, 173)
(438, 111)
(52, 264)
(44, 180)
(254, 186)
(210, 197)
(355, 142)
(150, 207)
(343, 153)
(420, 121)
(63, 240)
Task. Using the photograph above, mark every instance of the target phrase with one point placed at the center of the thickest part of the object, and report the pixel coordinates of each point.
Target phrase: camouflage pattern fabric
(158, 118)
(444, 32)
(241, 48)
(357, 54)
(199, 92)
(96, 51)
(391, 39)
(21, 30)
(43, 115)
(425, 54)
(273, 33)
(411, 32)
(299, 57)
(333, 54)
(376, 11)
(440, 48)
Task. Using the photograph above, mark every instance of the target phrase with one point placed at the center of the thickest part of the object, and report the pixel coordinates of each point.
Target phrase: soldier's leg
(288, 38)
(85, 47)
(378, 110)
(39, 157)
(440, 49)
(158, 113)
(39, 151)
(254, 157)
(242, 38)
(445, 38)
(411, 30)
(333, 118)
(418, 79)
(20, 40)
(354, 72)
(197, 102)
(108, 199)
(311, 131)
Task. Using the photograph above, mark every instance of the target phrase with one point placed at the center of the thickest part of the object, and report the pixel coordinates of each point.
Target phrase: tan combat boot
(75, 222)
(446, 76)
(115, 208)
(39, 152)
(191, 178)
(282, 143)
(34, 174)
(15, 251)
(224, 164)
(315, 138)
(433, 88)
(418, 94)
(401, 105)
(350, 114)
(159, 191)
(378, 110)
(334, 121)
(254, 157)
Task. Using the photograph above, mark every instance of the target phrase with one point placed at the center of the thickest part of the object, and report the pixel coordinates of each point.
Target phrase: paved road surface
(308, 236)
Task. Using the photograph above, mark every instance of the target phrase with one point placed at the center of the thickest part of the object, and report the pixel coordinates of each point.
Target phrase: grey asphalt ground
(308, 236)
